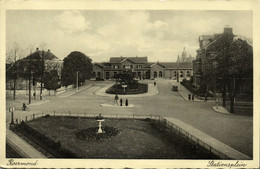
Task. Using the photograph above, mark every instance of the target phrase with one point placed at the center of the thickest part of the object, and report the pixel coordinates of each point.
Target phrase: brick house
(206, 60)
(143, 68)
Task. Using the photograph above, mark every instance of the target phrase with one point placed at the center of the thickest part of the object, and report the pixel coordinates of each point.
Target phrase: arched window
(175, 74)
(139, 74)
(188, 73)
(181, 73)
(155, 74)
(160, 74)
(107, 75)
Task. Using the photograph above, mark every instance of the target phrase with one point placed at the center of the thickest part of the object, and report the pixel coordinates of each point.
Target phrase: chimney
(49, 50)
(228, 30)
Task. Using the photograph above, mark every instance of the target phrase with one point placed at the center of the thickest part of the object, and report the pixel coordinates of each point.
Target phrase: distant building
(184, 57)
(143, 68)
(51, 62)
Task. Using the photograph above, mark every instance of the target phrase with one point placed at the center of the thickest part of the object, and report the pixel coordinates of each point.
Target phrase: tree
(73, 63)
(51, 80)
(233, 60)
(14, 53)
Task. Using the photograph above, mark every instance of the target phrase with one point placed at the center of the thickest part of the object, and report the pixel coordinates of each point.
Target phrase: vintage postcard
(129, 84)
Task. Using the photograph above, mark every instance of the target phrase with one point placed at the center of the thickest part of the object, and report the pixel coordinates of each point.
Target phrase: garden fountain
(100, 119)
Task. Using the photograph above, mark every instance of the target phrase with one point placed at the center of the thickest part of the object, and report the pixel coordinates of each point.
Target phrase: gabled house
(143, 68)
(207, 59)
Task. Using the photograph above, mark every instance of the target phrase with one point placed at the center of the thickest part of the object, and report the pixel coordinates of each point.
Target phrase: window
(99, 74)
(107, 75)
(116, 66)
(115, 74)
(181, 74)
(128, 66)
(160, 74)
(139, 74)
(175, 74)
(155, 74)
(188, 73)
(94, 74)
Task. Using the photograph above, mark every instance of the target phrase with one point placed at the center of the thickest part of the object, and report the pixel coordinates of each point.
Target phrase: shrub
(99, 79)
(47, 116)
(91, 133)
(44, 141)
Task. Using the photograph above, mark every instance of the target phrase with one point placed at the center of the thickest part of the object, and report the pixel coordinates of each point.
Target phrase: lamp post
(77, 81)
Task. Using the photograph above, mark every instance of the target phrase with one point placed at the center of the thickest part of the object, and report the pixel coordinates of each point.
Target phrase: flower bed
(136, 89)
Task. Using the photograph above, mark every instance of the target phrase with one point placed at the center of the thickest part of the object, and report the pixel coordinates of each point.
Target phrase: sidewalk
(214, 143)
(21, 146)
(152, 90)
(73, 91)
(184, 93)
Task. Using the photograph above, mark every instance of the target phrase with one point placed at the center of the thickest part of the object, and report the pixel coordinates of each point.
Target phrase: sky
(161, 35)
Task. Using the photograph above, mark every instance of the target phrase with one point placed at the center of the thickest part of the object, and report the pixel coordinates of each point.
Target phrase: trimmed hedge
(197, 91)
(45, 142)
(183, 142)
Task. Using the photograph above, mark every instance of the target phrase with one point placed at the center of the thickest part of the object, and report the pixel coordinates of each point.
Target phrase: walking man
(116, 99)
(189, 96)
(192, 97)
(126, 102)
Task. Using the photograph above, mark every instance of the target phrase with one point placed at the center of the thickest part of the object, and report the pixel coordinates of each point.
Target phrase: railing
(160, 119)
(191, 137)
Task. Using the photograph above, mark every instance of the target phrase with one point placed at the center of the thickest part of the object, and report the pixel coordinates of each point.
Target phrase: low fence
(192, 138)
(160, 119)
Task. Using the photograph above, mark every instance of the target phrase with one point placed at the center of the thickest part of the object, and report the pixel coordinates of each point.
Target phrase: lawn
(137, 139)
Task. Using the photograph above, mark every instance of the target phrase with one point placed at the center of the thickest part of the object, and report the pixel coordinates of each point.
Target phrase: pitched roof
(99, 64)
(177, 65)
(47, 55)
(133, 59)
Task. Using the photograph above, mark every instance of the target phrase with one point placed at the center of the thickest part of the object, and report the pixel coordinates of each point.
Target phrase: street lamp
(77, 81)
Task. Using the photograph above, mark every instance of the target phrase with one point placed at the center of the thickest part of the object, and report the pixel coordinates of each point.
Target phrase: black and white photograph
(161, 84)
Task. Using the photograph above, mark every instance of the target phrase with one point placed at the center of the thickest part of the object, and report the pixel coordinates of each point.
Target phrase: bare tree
(14, 53)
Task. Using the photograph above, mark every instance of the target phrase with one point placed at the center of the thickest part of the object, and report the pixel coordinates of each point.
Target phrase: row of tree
(76, 66)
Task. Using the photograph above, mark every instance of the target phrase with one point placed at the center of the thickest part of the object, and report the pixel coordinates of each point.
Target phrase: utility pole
(42, 74)
(30, 71)
(14, 72)
(77, 81)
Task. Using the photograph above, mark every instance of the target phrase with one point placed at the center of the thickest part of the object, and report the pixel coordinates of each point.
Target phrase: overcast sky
(159, 34)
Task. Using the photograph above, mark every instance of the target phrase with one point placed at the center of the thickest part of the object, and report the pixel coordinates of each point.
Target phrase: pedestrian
(121, 102)
(206, 97)
(154, 83)
(24, 106)
(192, 97)
(126, 102)
(189, 96)
(116, 99)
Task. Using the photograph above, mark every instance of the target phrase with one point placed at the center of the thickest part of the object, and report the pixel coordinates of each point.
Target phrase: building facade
(208, 59)
(143, 68)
